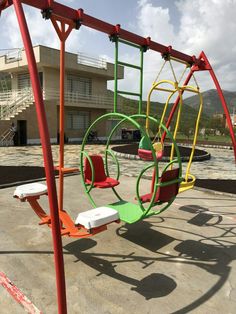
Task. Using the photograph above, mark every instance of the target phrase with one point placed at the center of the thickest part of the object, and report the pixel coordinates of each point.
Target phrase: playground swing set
(94, 170)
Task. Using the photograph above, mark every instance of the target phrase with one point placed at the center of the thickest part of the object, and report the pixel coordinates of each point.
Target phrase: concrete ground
(182, 261)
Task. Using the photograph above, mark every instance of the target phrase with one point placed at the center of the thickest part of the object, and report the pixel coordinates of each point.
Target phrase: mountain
(212, 103)
(189, 113)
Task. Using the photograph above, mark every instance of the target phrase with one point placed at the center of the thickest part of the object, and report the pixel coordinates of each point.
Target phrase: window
(41, 79)
(82, 85)
(24, 80)
(77, 120)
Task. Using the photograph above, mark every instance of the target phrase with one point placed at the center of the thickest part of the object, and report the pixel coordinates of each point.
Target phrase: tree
(185, 128)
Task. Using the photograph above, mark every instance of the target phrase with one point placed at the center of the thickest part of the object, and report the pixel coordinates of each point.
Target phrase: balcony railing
(76, 98)
(91, 61)
(12, 102)
(11, 55)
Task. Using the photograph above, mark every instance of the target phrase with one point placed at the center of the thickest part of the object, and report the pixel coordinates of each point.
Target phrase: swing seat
(147, 154)
(164, 193)
(101, 180)
(97, 217)
(187, 185)
(30, 190)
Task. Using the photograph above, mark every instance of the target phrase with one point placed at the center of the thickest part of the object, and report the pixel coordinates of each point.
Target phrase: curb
(214, 192)
(204, 157)
(12, 184)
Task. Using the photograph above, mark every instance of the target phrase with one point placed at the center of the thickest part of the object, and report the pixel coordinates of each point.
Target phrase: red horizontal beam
(62, 11)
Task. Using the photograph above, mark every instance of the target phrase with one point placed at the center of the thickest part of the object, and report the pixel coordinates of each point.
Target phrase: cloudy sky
(187, 25)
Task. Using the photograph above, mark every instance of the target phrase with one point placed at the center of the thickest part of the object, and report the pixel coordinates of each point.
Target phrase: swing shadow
(203, 217)
(210, 258)
(214, 258)
(155, 285)
(142, 234)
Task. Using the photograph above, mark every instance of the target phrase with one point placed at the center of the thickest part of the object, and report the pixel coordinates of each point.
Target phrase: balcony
(85, 59)
(11, 55)
(16, 101)
(15, 61)
(80, 100)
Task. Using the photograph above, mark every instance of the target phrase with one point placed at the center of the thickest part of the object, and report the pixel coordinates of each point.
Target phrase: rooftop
(14, 60)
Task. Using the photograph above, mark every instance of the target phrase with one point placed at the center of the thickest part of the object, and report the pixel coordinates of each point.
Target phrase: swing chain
(159, 73)
(183, 73)
(173, 72)
(195, 80)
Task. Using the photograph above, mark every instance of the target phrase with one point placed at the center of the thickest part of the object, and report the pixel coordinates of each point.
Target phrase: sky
(187, 25)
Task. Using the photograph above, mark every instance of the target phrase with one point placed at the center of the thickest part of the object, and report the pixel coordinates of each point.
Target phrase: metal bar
(223, 101)
(178, 60)
(68, 13)
(129, 65)
(116, 75)
(141, 82)
(128, 93)
(61, 120)
(166, 89)
(63, 35)
(125, 42)
(47, 155)
(190, 90)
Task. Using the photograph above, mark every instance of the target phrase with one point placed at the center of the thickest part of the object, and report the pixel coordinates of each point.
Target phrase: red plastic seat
(164, 193)
(101, 180)
(147, 154)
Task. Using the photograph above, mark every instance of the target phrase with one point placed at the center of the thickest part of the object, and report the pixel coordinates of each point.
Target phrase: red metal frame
(63, 34)
(67, 226)
(72, 17)
(47, 155)
(222, 98)
(207, 67)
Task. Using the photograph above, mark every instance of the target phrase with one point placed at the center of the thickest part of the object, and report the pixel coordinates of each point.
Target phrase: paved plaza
(220, 166)
(182, 261)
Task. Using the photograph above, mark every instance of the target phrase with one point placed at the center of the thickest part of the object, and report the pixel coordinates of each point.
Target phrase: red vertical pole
(47, 155)
(62, 34)
(61, 122)
(50, 3)
(223, 102)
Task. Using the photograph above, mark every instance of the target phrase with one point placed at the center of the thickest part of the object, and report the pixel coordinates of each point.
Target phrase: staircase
(14, 102)
(6, 138)
(3, 84)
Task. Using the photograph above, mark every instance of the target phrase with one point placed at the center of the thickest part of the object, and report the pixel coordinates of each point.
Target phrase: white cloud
(204, 25)
(42, 31)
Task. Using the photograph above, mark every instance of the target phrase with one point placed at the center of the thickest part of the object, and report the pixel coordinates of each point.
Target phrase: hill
(130, 106)
(211, 106)
(212, 103)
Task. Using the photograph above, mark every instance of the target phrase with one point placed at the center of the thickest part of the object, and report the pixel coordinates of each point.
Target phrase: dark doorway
(22, 132)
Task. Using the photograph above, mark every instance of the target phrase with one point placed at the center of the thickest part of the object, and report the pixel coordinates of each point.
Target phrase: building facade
(86, 94)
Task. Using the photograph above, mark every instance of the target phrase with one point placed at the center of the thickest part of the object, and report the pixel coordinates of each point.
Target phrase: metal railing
(11, 55)
(13, 102)
(6, 139)
(73, 98)
(91, 61)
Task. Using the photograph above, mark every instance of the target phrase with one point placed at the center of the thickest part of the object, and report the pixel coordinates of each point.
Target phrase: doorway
(22, 132)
